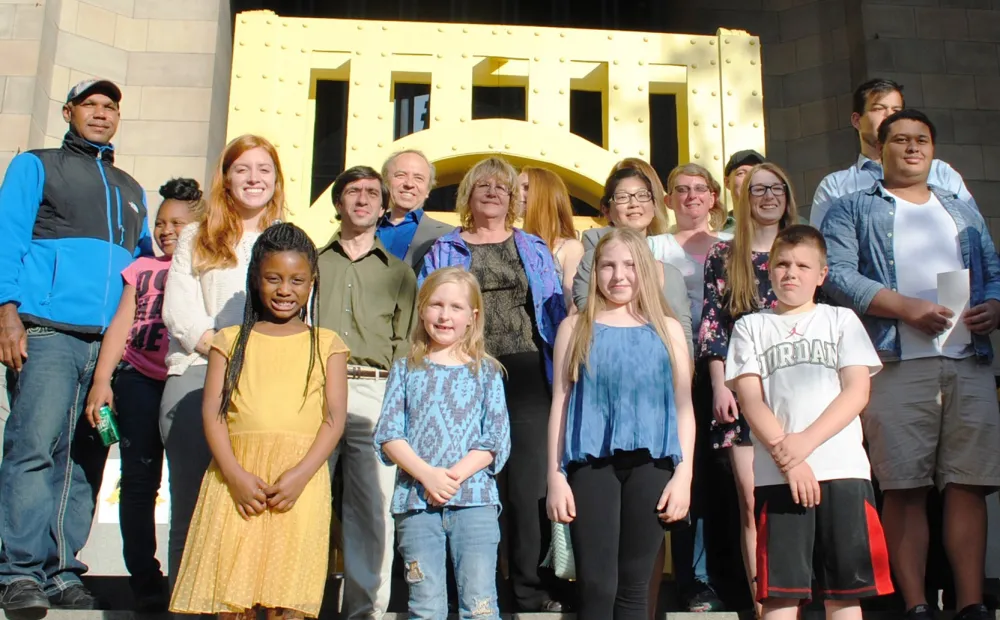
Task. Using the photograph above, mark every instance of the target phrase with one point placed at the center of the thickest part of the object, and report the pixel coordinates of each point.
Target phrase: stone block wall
(171, 60)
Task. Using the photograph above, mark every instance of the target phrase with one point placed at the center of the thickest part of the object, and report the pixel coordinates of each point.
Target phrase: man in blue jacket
(70, 222)
(932, 418)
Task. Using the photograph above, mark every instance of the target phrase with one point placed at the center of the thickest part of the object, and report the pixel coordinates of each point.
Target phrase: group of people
(476, 385)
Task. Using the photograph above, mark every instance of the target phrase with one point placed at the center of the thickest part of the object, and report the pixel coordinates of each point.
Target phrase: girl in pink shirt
(132, 360)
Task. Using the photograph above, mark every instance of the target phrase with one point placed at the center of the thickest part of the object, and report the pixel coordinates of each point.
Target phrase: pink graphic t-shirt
(146, 348)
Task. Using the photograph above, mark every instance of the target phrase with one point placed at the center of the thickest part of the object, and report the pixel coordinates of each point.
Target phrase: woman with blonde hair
(524, 305)
(205, 292)
(621, 434)
(737, 283)
(548, 214)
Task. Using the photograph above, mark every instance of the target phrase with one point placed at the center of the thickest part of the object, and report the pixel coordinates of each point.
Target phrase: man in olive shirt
(367, 296)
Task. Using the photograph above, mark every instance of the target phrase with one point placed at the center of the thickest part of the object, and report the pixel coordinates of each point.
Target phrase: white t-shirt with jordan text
(798, 358)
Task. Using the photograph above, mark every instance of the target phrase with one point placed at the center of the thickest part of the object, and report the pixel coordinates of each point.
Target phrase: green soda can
(107, 426)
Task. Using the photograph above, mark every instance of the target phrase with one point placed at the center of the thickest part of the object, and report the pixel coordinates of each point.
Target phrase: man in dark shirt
(367, 296)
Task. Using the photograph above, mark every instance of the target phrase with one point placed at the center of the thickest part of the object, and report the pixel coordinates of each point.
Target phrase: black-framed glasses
(760, 190)
(623, 198)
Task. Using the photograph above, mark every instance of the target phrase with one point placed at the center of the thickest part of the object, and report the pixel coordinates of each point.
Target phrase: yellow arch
(576, 160)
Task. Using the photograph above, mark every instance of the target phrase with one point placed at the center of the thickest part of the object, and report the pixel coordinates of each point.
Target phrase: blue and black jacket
(70, 222)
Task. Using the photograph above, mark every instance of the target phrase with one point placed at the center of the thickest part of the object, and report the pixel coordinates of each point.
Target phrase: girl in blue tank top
(621, 429)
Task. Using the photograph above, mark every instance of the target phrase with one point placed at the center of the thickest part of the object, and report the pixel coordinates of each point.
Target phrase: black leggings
(616, 518)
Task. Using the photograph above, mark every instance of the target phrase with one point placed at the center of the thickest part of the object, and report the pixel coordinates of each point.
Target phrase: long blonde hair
(661, 222)
(549, 211)
(717, 212)
(221, 228)
(648, 302)
(473, 343)
(502, 173)
(741, 280)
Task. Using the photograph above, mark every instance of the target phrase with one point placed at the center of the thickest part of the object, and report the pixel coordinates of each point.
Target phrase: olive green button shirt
(368, 302)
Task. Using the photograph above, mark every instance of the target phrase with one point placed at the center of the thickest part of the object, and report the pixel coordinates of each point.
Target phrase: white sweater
(194, 303)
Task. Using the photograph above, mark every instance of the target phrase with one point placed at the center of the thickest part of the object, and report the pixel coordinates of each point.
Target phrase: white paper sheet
(953, 293)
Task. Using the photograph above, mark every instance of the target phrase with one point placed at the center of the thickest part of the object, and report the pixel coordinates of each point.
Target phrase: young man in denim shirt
(932, 418)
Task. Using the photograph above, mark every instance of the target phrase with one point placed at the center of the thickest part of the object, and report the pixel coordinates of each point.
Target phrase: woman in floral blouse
(737, 283)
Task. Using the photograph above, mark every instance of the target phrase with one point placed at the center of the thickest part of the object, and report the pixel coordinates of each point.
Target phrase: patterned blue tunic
(444, 412)
(624, 399)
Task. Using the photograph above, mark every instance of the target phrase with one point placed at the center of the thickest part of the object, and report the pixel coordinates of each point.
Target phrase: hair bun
(183, 189)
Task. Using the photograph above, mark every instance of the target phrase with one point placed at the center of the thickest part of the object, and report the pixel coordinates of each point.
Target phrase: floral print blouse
(717, 326)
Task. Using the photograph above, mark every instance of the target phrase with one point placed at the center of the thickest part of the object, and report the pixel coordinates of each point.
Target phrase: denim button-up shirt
(546, 287)
(858, 230)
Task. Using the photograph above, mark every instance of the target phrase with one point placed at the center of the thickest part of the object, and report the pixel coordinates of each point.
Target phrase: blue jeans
(52, 466)
(137, 401)
(473, 535)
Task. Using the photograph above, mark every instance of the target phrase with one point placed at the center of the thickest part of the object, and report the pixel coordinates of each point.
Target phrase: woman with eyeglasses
(523, 303)
(634, 198)
(737, 283)
(694, 197)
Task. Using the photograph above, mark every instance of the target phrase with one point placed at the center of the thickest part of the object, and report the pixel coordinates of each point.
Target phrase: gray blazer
(428, 231)
(674, 288)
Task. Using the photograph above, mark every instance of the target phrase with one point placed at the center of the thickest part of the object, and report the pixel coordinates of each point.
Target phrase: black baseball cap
(748, 157)
(88, 87)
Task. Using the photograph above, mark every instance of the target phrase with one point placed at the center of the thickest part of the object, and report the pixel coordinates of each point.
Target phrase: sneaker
(23, 595)
(974, 612)
(705, 600)
(920, 612)
(74, 597)
(150, 593)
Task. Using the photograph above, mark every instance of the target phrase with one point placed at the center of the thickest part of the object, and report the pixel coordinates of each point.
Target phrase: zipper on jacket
(111, 240)
(121, 223)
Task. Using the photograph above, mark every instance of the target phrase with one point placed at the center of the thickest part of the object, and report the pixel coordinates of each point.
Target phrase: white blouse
(194, 303)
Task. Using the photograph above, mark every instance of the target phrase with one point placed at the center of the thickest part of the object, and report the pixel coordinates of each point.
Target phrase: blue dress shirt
(397, 237)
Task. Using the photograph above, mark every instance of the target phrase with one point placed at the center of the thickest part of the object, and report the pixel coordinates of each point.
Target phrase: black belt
(366, 372)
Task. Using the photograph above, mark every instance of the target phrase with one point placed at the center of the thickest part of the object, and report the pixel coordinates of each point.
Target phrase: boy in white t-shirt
(801, 374)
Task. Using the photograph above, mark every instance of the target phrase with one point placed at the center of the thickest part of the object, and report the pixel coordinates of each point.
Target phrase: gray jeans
(4, 406)
(188, 455)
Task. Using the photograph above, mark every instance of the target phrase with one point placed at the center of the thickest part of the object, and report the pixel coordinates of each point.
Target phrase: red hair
(221, 229)
(549, 212)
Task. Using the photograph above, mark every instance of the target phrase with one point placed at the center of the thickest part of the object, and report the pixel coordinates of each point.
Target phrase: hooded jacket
(70, 222)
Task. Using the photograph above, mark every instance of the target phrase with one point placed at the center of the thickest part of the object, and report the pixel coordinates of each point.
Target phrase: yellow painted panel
(278, 60)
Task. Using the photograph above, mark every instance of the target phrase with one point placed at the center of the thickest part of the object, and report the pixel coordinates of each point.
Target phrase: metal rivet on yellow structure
(642, 153)
(756, 125)
(263, 76)
(752, 43)
(538, 34)
(358, 52)
(284, 47)
(732, 124)
(712, 62)
(385, 27)
(752, 62)
(616, 119)
(293, 179)
(611, 37)
(562, 60)
(615, 87)
(693, 41)
(295, 146)
(305, 25)
(506, 146)
(614, 62)
(576, 164)
(360, 27)
(354, 147)
(301, 82)
(267, 44)
(642, 62)
(537, 59)
(694, 66)
(534, 121)
(380, 145)
(716, 158)
(729, 61)
(562, 35)
(509, 31)
(494, 32)
(615, 151)
(355, 115)
(454, 148)
(645, 39)
(236, 108)
(542, 152)
(239, 75)
(715, 94)
(561, 124)
(697, 155)
(277, 111)
(694, 91)
(642, 120)
(727, 41)
(263, 109)
(534, 90)
(754, 93)
(437, 118)
(562, 91)
(695, 123)
(243, 21)
(379, 117)
(241, 43)
(490, 146)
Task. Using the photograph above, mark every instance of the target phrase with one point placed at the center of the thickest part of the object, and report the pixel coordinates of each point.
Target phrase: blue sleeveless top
(624, 400)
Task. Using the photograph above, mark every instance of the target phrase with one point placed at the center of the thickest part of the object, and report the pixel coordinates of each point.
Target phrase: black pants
(137, 401)
(526, 531)
(617, 533)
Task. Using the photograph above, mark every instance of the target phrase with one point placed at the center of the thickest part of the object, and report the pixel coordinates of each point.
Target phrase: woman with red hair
(206, 291)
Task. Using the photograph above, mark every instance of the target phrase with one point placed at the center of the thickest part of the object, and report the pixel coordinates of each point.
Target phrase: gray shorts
(934, 421)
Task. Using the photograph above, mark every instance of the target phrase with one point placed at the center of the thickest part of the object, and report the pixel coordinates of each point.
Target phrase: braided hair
(280, 237)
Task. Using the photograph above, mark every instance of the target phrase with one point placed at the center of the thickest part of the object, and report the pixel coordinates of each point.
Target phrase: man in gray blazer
(674, 288)
(406, 231)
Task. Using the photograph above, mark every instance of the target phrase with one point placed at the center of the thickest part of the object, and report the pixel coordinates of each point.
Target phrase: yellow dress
(274, 560)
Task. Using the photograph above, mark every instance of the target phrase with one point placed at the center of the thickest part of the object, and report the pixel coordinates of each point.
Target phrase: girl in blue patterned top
(621, 429)
(444, 423)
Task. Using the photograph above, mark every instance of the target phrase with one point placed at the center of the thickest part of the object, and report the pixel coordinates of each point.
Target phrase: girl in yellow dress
(274, 409)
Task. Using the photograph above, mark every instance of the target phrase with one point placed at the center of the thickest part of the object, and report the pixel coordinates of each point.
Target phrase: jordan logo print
(794, 332)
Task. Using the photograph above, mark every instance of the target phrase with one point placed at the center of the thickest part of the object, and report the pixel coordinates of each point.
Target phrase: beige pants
(367, 526)
(934, 421)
